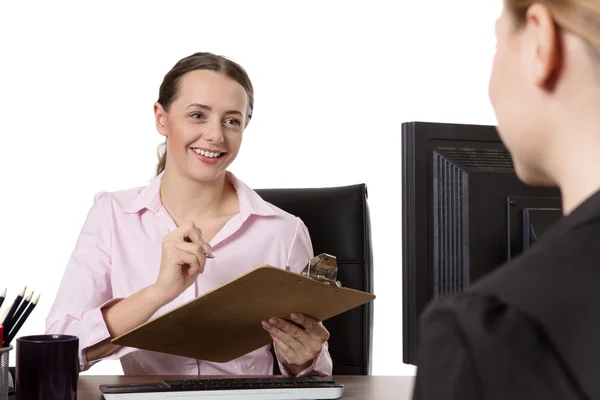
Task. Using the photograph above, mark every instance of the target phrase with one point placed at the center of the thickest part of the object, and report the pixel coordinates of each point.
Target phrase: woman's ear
(160, 117)
(543, 46)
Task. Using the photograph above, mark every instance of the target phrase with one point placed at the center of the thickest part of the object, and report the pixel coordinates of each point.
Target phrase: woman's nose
(214, 133)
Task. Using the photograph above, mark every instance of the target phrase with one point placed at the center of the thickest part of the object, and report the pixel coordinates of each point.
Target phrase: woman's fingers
(190, 254)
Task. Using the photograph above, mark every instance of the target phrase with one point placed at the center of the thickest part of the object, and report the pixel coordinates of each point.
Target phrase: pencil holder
(4, 352)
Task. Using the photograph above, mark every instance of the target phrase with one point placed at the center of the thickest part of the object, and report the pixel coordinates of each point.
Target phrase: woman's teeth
(207, 154)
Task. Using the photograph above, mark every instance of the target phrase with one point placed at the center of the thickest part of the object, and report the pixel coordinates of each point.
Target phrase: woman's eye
(233, 121)
(197, 115)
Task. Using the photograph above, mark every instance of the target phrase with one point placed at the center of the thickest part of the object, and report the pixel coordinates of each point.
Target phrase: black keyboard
(247, 383)
(272, 382)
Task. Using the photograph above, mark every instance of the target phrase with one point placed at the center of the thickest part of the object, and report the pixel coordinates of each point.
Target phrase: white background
(334, 80)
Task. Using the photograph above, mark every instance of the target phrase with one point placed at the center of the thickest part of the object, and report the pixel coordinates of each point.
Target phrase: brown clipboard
(225, 323)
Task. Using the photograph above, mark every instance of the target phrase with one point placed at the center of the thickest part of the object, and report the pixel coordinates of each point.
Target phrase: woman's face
(204, 124)
(517, 98)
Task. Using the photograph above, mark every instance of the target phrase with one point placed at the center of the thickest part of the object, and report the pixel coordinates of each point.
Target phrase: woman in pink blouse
(144, 251)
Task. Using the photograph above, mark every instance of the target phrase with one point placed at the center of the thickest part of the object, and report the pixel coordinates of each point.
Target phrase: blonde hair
(581, 17)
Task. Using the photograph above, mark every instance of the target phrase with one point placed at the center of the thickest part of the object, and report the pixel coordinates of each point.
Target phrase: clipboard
(225, 323)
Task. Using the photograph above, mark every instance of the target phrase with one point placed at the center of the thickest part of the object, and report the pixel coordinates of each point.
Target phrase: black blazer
(530, 330)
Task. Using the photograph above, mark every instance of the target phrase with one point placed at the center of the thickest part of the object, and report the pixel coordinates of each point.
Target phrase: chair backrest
(338, 221)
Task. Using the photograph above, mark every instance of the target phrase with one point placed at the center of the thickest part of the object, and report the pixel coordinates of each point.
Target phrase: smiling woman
(204, 75)
(195, 226)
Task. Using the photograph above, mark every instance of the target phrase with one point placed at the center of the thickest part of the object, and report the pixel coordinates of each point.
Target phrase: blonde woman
(531, 329)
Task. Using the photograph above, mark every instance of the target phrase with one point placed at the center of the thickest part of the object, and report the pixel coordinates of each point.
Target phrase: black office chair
(338, 221)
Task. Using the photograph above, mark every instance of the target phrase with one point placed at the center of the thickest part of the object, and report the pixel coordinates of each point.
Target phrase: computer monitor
(465, 213)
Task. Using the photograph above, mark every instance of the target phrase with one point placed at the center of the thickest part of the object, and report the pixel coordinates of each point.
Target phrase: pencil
(8, 320)
(19, 324)
(4, 315)
(20, 310)
(2, 297)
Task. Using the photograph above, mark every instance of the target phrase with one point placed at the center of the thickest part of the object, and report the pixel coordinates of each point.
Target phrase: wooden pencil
(8, 320)
(2, 297)
(19, 324)
(20, 310)
(4, 315)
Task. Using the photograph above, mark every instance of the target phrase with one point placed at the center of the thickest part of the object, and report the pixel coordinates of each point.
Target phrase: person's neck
(578, 171)
(188, 200)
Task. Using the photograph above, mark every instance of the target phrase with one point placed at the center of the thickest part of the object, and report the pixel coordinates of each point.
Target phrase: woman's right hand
(182, 260)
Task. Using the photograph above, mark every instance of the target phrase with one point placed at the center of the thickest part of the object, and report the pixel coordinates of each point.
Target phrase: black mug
(47, 367)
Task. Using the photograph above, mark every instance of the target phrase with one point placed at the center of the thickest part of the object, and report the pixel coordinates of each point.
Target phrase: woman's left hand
(297, 344)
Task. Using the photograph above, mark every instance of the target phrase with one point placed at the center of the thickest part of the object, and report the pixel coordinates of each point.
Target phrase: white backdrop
(334, 80)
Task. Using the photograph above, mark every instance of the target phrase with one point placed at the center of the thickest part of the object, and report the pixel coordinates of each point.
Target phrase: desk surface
(356, 387)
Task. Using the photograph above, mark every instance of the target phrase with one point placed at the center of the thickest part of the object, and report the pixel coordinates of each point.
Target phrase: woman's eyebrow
(208, 108)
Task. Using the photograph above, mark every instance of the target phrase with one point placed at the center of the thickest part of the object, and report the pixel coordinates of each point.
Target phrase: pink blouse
(118, 253)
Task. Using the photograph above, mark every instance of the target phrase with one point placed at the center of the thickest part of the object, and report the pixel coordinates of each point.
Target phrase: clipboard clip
(322, 268)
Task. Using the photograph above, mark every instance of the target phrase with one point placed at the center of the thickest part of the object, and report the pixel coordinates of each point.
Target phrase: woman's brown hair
(170, 86)
(581, 17)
